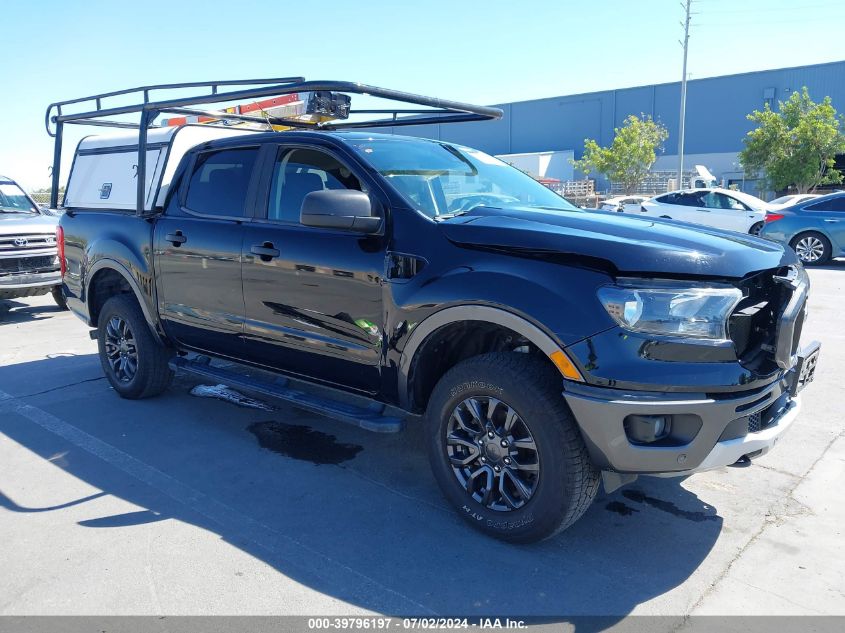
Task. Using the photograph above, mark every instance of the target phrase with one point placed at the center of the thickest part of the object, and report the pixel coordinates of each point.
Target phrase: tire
(565, 483)
(123, 332)
(812, 248)
(755, 228)
(59, 297)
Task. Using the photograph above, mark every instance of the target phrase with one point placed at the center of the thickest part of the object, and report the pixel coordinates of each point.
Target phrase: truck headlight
(672, 308)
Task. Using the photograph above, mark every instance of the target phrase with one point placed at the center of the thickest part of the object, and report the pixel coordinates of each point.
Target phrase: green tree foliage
(630, 155)
(796, 145)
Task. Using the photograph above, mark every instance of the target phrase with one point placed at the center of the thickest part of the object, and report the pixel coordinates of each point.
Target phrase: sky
(483, 52)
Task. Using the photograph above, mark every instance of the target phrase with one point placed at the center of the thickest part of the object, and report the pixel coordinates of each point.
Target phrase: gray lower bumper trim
(600, 413)
(28, 284)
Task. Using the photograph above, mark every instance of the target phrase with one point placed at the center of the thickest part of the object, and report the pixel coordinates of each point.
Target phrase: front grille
(754, 422)
(17, 265)
(27, 242)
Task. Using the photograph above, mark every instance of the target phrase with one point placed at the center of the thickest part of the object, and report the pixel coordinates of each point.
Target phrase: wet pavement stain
(668, 506)
(303, 443)
(620, 508)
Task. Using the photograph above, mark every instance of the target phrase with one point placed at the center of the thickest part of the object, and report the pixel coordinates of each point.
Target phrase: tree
(630, 155)
(795, 146)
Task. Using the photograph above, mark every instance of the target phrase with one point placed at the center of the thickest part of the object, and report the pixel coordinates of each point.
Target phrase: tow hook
(742, 462)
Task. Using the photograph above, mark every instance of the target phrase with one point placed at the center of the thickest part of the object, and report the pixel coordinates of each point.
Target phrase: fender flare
(111, 264)
(454, 314)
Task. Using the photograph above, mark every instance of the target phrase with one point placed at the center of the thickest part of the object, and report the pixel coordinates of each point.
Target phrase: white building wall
(552, 164)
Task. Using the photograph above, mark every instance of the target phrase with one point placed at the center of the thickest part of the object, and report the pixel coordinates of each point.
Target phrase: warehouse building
(716, 121)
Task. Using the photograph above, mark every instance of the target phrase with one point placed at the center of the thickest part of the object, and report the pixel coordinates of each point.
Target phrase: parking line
(358, 585)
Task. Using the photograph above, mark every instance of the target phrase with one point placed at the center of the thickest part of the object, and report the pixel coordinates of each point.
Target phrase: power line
(768, 10)
(749, 25)
(681, 125)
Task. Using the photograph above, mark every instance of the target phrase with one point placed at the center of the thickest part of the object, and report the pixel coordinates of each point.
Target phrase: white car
(623, 204)
(788, 201)
(719, 208)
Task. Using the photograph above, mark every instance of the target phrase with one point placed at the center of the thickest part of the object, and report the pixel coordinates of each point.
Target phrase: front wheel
(812, 248)
(59, 297)
(506, 450)
(134, 362)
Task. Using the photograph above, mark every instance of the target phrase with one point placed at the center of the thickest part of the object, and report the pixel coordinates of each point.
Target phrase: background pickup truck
(29, 264)
(387, 278)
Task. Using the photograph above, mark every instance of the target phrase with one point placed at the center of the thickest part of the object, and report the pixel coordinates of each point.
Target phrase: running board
(370, 418)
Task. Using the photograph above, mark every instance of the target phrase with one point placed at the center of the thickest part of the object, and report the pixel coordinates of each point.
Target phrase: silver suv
(29, 262)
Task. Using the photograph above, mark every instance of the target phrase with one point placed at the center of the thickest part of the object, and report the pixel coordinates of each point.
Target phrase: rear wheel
(755, 228)
(134, 362)
(506, 450)
(812, 248)
(59, 297)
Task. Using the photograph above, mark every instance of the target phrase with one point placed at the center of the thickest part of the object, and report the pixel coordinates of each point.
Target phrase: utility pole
(686, 4)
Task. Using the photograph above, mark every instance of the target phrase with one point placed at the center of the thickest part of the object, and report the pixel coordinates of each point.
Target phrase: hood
(22, 223)
(618, 243)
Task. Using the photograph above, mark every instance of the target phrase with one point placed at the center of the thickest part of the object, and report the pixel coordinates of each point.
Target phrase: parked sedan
(624, 204)
(719, 208)
(788, 201)
(814, 228)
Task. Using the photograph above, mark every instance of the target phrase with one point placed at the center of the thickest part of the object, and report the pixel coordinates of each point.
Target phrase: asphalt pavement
(188, 505)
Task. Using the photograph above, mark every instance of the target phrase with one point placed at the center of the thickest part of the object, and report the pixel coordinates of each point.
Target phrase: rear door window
(220, 181)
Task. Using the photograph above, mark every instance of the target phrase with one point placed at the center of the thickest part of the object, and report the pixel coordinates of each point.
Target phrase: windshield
(14, 200)
(443, 180)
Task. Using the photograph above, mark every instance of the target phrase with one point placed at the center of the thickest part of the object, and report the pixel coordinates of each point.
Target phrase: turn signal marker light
(565, 366)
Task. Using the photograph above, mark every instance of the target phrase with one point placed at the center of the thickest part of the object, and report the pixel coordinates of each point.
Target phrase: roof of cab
(164, 135)
(342, 134)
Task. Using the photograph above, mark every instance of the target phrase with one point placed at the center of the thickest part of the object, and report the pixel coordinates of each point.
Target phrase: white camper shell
(104, 170)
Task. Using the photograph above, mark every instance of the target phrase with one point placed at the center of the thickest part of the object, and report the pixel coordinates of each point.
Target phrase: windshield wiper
(11, 210)
(446, 216)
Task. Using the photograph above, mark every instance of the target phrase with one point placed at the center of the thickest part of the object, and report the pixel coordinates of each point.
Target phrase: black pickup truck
(545, 348)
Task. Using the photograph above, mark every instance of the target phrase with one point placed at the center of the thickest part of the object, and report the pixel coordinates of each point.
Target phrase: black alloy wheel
(121, 351)
(134, 360)
(493, 453)
(505, 448)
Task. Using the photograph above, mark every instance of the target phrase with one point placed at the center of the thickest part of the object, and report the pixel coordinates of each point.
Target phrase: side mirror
(340, 209)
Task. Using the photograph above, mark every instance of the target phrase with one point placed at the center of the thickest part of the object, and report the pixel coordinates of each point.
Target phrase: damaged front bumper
(691, 432)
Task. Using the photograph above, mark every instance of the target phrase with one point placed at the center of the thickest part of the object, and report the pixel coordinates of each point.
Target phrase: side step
(370, 418)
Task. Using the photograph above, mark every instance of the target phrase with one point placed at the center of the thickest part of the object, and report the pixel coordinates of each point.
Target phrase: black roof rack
(97, 113)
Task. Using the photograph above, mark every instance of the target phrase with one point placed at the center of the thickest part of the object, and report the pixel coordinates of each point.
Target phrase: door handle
(705, 210)
(265, 251)
(831, 221)
(176, 238)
